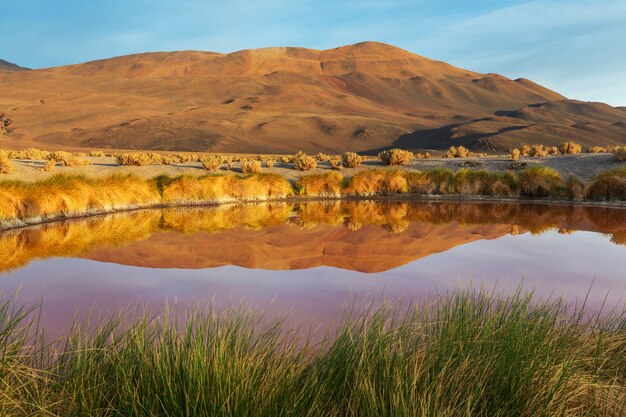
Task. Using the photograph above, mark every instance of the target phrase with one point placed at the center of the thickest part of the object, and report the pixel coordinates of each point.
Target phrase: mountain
(361, 97)
(6, 66)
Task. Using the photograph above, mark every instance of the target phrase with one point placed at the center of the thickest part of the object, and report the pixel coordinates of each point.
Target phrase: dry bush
(73, 195)
(285, 159)
(49, 166)
(250, 166)
(608, 185)
(305, 163)
(483, 182)
(514, 154)
(457, 152)
(336, 163)
(322, 157)
(168, 159)
(328, 184)
(97, 154)
(376, 182)
(434, 181)
(574, 188)
(538, 151)
(221, 188)
(34, 154)
(269, 162)
(68, 160)
(525, 149)
(395, 157)
(552, 150)
(620, 153)
(212, 163)
(133, 159)
(351, 160)
(538, 181)
(5, 165)
(570, 148)
(597, 149)
(228, 160)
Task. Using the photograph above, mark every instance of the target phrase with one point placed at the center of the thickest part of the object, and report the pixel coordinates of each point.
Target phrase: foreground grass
(75, 195)
(470, 353)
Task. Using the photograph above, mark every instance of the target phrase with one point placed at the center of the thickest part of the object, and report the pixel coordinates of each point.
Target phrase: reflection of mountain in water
(364, 236)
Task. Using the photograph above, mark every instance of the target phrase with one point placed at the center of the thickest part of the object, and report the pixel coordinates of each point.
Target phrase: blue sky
(575, 47)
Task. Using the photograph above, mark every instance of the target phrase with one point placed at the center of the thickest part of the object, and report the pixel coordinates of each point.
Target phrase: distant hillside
(9, 66)
(361, 97)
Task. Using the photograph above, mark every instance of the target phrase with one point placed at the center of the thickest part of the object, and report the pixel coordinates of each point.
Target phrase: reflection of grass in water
(252, 217)
(468, 354)
(71, 238)
(76, 237)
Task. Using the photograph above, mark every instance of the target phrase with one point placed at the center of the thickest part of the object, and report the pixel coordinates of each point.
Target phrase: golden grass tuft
(538, 181)
(329, 184)
(351, 160)
(597, 149)
(457, 152)
(134, 159)
(483, 182)
(608, 185)
(620, 153)
(212, 163)
(219, 188)
(376, 182)
(570, 148)
(67, 159)
(67, 196)
(514, 154)
(49, 166)
(395, 157)
(250, 166)
(97, 154)
(5, 165)
(305, 163)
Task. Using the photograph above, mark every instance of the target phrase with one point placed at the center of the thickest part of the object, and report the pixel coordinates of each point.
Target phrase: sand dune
(361, 97)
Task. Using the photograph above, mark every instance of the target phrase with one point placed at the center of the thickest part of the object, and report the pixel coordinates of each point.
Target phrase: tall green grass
(470, 353)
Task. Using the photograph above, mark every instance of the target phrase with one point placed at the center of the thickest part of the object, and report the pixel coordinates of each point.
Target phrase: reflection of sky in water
(551, 263)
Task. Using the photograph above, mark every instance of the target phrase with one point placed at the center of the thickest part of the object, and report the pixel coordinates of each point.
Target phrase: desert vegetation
(468, 352)
(395, 157)
(303, 162)
(212, 163)
(74, 195)
(620, 153)
(250, 166)
(5, 165)
(351, 160)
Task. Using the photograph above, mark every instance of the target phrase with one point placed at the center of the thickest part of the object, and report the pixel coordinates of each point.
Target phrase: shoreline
(35, 221)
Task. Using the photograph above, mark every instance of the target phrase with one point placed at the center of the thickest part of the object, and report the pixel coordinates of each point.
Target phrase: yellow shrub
(620, 153)
(49, 166)
(320, 185)
(460, 152)
(538, 181)
(570, 148)
(514, 154)
(395, 157)
(250, 166)
(351, 160)
(305, 163)
(219, 188)
(596, 149)
(5, 165)
(376, 182)
(212, 163)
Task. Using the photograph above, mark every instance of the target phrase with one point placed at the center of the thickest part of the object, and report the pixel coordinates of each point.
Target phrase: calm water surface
(306, 260)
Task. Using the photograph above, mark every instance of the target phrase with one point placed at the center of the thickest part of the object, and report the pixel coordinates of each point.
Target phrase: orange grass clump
(67, 196)
(376, 182)
(220, 188)
(5, 165)
(329, 184)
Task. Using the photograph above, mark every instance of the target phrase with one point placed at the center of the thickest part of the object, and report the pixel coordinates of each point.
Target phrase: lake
(305, 260)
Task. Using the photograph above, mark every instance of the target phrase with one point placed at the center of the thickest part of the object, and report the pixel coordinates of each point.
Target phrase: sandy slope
(359, 97)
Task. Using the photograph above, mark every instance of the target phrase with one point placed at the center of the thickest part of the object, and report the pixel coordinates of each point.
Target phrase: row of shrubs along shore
(300, 160)
(465, 353)
(76, 195)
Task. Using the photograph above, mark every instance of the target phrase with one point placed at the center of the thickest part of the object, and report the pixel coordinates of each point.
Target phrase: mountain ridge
(362, 97)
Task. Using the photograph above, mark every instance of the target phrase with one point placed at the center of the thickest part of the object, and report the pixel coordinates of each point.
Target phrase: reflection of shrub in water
(310, 214)
(249, 217)
(20, 247)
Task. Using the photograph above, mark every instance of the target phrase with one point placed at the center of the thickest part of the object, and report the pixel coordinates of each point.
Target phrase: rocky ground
(583, 166)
